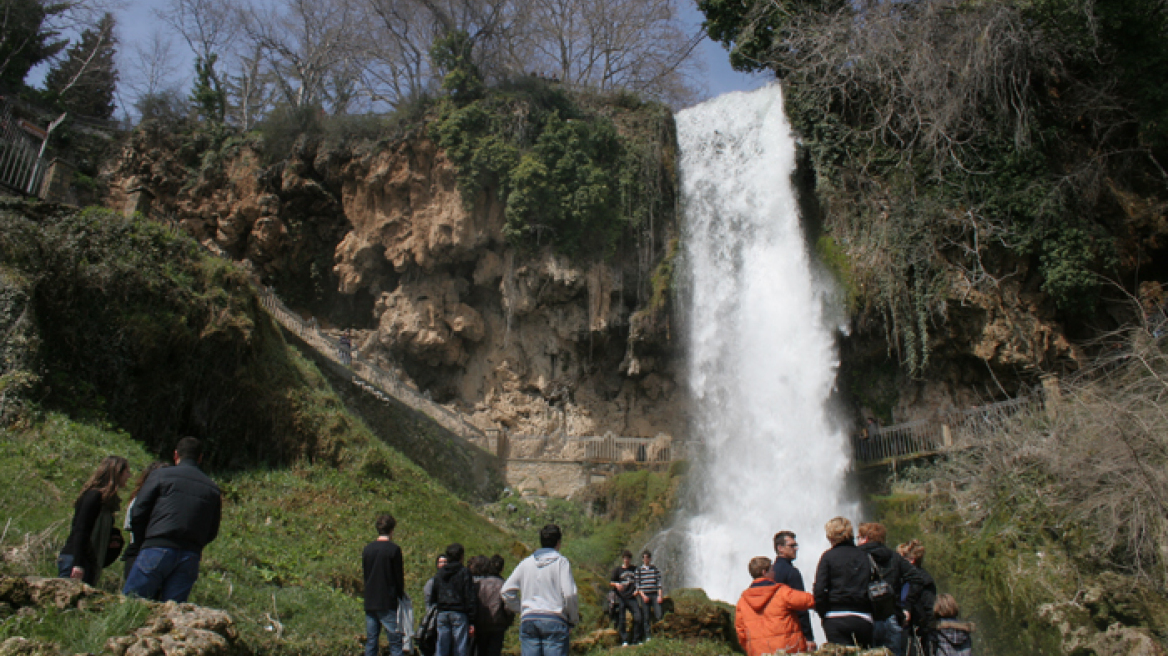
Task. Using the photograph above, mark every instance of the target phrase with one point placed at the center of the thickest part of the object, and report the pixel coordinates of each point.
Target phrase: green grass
(78, 631)
(290, 545)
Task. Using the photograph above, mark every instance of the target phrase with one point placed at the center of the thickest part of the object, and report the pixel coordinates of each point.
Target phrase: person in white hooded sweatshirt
(549, 609)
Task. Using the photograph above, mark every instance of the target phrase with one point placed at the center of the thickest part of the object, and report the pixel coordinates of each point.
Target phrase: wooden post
(946, 436)
(1051, 394)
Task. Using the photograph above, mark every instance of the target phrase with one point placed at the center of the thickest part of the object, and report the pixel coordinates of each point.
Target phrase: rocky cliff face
(379, 239)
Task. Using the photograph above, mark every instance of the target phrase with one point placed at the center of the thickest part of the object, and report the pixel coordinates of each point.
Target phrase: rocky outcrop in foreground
(170, 630)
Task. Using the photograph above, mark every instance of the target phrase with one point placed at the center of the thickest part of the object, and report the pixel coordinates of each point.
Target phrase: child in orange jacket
(765, 618)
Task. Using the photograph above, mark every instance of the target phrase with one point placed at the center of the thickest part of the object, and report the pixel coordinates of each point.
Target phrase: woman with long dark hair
(131, 552)
(84, 554)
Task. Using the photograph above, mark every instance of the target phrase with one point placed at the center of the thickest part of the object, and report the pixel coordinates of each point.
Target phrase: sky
(137, 22)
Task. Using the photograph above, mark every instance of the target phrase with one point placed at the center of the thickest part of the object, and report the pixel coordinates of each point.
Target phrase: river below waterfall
(762, 357)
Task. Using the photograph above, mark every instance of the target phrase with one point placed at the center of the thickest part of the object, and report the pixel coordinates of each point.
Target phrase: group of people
(173, 513)
(635, 590)
(474, 606)
(865, 593)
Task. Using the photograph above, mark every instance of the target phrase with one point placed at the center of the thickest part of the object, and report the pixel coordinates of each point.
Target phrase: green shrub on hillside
(139, 326)
(569, 175)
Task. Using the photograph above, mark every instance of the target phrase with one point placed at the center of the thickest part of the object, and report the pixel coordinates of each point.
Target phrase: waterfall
(762, 355)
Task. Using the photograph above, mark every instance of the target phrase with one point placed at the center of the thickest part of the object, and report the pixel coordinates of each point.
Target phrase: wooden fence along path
(922, 438)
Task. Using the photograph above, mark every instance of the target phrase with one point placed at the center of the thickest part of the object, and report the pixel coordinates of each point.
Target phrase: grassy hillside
(120, 336)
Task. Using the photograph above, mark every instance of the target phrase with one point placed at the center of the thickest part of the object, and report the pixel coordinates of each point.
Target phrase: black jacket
(454, 590)
(381, 563)
(786, 573)
(920, 603)
(178, 508)
(895, 570)
(841, 580)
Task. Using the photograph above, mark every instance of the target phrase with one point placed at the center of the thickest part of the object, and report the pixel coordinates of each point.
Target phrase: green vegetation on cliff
(574, 171)
(1050, 525)
(959, 145)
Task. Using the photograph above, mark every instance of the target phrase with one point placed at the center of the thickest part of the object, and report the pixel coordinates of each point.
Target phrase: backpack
(426, 639)
(881, 594)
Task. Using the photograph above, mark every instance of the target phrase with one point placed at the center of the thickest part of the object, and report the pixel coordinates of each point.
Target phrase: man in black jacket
(175, 515)
(896, 571)
(381, 561)
(785, 572)
(454, 594)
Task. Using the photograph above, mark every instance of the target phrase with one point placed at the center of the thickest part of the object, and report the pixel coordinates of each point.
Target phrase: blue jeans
(543, 638)
(163, 573)
(650, 612)
(374, 621)
(65, 565)
(888, 633)
(452, 634)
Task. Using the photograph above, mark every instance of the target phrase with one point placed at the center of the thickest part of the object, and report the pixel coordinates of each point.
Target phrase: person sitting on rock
(767, 616)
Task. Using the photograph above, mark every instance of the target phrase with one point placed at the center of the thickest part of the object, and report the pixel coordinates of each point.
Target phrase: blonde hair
(759, 566)
(839, 529)
(946, 607)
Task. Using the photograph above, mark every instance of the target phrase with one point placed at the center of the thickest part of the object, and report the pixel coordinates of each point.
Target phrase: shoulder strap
(875, 569)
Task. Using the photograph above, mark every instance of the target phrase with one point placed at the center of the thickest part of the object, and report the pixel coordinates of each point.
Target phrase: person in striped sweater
(650, 592)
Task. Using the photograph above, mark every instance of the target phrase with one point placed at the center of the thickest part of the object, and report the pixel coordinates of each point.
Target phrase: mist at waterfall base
(762, 358)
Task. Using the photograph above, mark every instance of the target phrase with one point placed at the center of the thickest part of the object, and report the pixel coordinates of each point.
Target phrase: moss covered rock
(696, 617)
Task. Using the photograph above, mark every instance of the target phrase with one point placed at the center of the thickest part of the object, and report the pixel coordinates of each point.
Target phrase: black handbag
(426, 639)
(881, 595)
(114, 549)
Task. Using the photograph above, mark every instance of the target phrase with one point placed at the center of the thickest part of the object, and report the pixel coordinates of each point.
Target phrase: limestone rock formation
(180, 630)
(172, 630)
(379, 237)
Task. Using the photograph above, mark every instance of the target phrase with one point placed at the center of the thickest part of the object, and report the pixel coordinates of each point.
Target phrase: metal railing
(22, 168)
(923, 437)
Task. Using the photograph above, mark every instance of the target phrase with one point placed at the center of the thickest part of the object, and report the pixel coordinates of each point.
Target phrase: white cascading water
(762, 355)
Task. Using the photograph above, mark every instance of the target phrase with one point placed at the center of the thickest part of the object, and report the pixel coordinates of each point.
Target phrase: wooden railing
(921, 438)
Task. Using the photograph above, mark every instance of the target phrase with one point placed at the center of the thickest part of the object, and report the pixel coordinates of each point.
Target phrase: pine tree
(24, 39)
(209, 98)
(83, 82)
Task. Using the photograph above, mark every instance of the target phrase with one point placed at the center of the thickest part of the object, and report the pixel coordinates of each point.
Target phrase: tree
(249, 89)
(84, 82)
(209, 97)
(26, 38)
(639, 45)
(305, 43)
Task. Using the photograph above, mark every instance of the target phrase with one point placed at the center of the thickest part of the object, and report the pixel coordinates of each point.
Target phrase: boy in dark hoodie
(896, 571)
(950, 637)
(454, 594)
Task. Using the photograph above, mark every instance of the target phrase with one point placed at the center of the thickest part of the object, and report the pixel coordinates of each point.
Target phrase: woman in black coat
(841, 588)
(92, 535)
